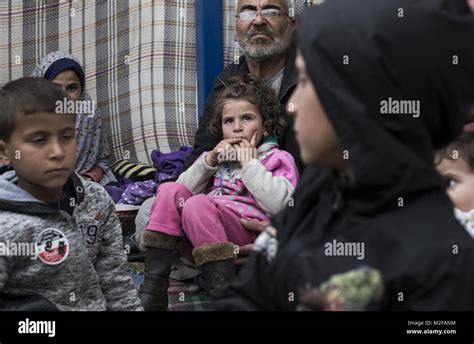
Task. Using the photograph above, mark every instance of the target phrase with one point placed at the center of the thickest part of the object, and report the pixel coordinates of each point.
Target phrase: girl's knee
(195, 200)
(196, 205)
(172, 186)
(173, 189)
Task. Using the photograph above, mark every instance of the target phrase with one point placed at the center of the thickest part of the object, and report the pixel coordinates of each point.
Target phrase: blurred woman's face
(70, 83)
(314, 132)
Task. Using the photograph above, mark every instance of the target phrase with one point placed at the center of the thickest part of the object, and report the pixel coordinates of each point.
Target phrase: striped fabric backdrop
(231, 48)
(139, 60)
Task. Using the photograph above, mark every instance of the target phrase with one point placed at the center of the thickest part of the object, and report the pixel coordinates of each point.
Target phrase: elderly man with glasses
(263, 31)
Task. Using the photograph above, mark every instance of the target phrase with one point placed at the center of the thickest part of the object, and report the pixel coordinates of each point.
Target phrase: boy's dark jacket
(204, 142)
(395, 203)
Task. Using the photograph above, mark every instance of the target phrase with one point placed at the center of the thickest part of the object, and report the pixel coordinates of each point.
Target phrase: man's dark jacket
(204, 142)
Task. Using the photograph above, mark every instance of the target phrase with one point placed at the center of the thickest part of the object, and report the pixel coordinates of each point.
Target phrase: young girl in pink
(244, 176)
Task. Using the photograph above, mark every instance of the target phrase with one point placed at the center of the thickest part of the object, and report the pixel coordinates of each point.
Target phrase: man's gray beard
(259, 51)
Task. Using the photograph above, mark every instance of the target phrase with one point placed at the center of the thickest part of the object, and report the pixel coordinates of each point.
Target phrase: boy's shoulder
(15, 225)
(94, 189)
(87, 191)
(95, 198)
(90, 199)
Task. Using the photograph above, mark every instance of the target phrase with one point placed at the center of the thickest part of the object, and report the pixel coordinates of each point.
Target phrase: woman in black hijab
(381, 85)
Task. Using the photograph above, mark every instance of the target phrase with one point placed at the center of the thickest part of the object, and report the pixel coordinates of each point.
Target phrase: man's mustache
(254, 31)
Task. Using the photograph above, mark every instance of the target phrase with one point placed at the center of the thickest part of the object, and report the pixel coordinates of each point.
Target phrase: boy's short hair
(26, 96)
(256, 92)
(463, 147)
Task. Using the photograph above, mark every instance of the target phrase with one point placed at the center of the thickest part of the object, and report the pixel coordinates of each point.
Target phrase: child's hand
(222, 149)
(246, 150)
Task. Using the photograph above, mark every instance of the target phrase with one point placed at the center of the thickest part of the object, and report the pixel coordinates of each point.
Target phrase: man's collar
(289, 77)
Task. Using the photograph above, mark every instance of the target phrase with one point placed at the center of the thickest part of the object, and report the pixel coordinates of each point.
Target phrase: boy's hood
(399, 50)
(13, 193)
(13, 198)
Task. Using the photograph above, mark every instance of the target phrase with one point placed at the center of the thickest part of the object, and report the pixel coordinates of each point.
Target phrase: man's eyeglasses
(268, 13)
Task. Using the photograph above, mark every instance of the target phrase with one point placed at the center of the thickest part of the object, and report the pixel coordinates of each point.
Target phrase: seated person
(246, 175)
(456, 164)
(74, 258)
(264, 40)
(92, 148)
(375, 230)
(263, 36)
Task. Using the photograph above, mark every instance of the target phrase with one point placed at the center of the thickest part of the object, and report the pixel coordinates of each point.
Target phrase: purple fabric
(169, 165)
(129, 192)
(116, 189)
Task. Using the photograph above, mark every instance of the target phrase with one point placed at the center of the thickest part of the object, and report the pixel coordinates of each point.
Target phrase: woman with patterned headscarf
(92, 148)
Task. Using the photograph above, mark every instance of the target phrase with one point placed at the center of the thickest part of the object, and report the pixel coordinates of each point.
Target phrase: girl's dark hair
(254, 91)
(463, 146)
